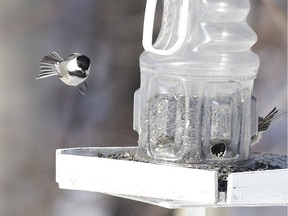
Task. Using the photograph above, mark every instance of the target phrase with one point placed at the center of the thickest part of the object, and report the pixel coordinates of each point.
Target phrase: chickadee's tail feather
(264, 123)
(49, 65)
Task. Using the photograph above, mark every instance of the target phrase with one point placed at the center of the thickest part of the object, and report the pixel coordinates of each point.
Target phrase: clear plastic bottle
(194, 102)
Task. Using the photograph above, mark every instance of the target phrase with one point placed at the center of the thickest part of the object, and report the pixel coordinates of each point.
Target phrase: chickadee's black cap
(83, 62)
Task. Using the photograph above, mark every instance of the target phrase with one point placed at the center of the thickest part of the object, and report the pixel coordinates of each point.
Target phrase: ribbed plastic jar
(194, 102)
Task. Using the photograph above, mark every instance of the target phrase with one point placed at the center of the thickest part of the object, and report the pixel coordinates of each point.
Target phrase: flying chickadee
(264, 123)
(73, 70)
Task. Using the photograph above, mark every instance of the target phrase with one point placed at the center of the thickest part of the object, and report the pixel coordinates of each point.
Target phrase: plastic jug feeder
(195, 102)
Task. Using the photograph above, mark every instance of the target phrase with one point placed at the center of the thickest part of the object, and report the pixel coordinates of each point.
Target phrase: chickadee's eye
(83, 62)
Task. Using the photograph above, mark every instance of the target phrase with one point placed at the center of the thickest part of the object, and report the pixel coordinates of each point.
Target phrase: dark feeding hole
(218, 149)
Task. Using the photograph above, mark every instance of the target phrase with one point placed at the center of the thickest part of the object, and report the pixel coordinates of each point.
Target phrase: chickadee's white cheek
(72, 65)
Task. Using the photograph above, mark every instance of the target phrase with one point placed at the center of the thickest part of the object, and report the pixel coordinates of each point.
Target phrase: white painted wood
(258, 188)
(135, 178)
(196, 211)
(169, 186)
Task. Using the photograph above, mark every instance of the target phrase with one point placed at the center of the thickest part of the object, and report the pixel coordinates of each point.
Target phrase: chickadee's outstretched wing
(83, 88)
(49, 65)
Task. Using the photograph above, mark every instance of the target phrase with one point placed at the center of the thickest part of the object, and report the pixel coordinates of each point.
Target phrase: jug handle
(149, 24)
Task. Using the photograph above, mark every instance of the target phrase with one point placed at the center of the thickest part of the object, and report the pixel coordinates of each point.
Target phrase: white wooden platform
(169, 186)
